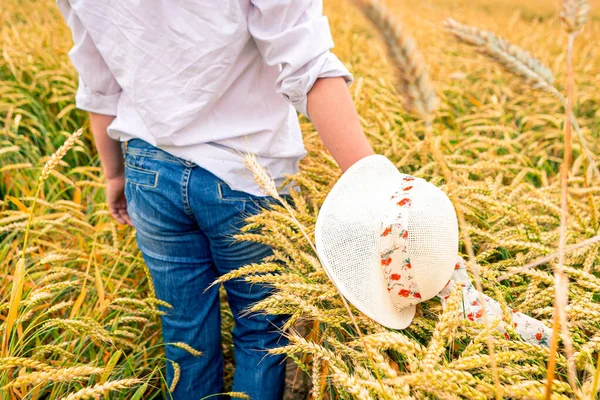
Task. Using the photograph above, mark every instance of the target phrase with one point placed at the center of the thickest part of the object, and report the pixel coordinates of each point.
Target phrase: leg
(178, 256)
(258, 374)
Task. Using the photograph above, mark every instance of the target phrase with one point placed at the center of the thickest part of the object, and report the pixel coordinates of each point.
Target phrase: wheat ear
(414, 82)
(233, 395)
(176, 376)
(59, 154)
(574, 14)
(100, 389)
(186, 347)
(521, 63)
(513, 58)
(548, 258)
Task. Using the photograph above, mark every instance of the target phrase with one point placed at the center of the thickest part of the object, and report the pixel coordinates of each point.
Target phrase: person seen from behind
(177, 92)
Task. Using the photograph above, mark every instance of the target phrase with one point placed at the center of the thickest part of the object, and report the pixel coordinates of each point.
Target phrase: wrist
(113, 167)
(115, 177)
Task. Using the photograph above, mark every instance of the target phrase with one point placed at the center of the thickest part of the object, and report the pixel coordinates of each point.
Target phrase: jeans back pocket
(141, 176)
(226, 193)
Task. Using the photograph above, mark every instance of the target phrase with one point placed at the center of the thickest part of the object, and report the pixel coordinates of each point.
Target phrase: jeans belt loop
(125, 146)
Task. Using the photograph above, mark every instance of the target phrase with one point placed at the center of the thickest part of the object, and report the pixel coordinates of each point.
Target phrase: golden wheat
(500, 144)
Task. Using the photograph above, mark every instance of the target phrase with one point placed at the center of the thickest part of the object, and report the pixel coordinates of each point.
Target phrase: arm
(335, 118)
(98, 93)
(113, 166)
(295, 35)
(109, 150)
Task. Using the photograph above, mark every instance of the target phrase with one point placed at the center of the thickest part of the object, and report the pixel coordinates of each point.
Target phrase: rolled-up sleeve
(97, 91)
(295, 35)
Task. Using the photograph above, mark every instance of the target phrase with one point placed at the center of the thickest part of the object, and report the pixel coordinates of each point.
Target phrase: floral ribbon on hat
(530, 329)
(395, 260)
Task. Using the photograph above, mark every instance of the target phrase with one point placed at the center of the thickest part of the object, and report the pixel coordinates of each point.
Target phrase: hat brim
(346, 236)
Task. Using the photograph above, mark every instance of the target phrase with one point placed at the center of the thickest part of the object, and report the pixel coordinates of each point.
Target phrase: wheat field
(78, 315)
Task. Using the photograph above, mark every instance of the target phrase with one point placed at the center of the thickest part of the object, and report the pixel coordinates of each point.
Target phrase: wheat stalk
(573, 15)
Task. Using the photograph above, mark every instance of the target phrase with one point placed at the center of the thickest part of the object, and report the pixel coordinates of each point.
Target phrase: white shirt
(204, 80)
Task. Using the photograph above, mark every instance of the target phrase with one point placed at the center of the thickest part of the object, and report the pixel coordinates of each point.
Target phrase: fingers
(117, 216)
(125, 216)
(121, 215)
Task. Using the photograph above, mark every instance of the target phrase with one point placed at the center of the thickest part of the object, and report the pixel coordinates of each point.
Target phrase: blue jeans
(184, 218)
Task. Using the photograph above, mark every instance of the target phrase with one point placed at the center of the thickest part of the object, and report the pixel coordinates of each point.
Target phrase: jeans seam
(187, 172)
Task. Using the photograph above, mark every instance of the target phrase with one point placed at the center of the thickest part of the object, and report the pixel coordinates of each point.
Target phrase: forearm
(109, 150)
(334, 116)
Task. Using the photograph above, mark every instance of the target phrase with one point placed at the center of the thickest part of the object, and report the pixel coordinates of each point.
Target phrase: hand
(117, 203)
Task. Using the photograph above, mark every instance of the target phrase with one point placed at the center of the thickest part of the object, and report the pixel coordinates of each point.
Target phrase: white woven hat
(387, 240)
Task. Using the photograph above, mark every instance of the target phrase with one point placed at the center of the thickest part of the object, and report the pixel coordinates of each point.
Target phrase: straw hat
(387, 240)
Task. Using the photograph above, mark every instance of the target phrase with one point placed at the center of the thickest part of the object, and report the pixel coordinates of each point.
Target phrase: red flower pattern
(530, 329)
(399, 282)
(478, 314)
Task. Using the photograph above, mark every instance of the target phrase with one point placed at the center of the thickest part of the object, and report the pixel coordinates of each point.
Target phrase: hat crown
(418, 242)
